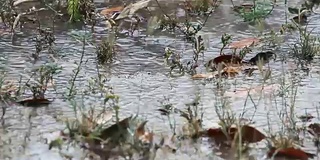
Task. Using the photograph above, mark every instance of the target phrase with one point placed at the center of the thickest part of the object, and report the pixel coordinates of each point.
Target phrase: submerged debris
(306, 118)
(262, 57)
(34, 102)
(291, 153)
(224, 60)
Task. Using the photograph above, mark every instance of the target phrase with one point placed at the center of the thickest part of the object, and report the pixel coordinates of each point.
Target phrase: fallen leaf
(131, 9)
(248, 134)
(219, 136)
(251, 135)
(34, 102)
(224, 60)
(142, 135)
(114, 131)
(230, 71)
(201, 76)
(290, 153)
(110, 11)
(227, 59)
(247, 42)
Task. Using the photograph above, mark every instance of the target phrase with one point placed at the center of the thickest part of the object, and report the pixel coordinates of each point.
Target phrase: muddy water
(139, 76)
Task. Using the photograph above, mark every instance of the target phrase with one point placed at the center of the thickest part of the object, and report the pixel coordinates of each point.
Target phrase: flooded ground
(140, 77)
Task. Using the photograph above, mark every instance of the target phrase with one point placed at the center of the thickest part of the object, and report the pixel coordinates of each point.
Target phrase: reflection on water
(139, 76)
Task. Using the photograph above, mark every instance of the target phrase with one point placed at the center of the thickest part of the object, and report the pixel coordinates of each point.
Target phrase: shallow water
(139, 76)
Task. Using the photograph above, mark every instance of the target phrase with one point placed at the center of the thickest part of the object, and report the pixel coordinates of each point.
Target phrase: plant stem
(78, 69)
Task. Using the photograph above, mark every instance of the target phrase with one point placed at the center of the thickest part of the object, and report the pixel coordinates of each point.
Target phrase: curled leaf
(110, 11)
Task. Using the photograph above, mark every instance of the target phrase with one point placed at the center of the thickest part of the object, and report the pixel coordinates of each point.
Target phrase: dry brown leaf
(247, 42)
(248, 134)
(202, 76)
(223, 61)
(230, 71)
(131, 9)
(292, 153)
(233, 59)
(142, 134)
(109, 11)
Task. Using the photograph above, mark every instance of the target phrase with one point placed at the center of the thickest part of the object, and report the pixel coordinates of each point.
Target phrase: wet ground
(139, 76)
